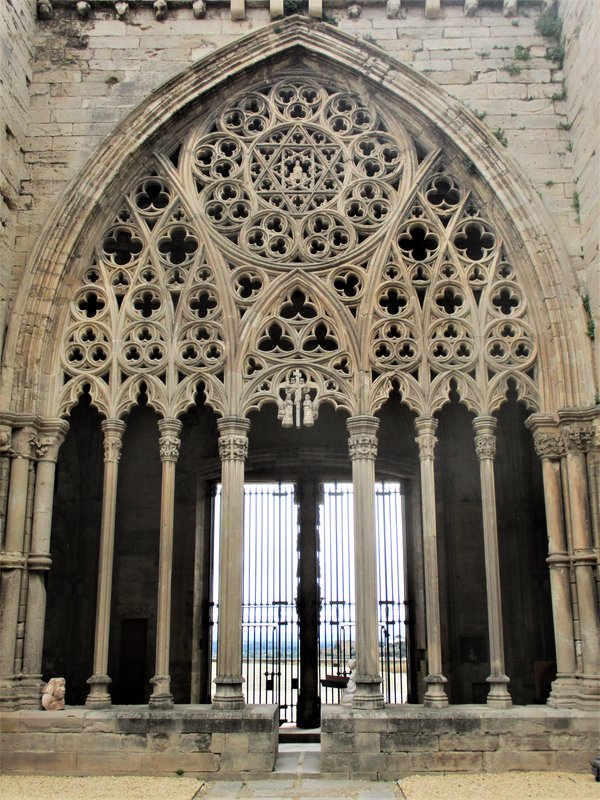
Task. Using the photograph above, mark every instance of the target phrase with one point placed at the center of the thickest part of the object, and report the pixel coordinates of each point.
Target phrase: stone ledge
(135, 740)
(402, 740)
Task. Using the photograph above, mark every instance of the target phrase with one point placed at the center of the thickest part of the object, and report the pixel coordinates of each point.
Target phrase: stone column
(549, 446)
(99, 696)
(50, 438)
(362, 444)
(5, 450)
(169, 444)
(435, 696)
(12, 560)
(485, 446)
(578, 438)
(233, 449)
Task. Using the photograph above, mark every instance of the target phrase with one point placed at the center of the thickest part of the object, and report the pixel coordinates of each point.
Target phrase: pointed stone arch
(65, 248)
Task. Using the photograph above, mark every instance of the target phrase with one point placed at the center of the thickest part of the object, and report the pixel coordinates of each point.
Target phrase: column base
(8, 695)
(498, 696)
(28, 691)
(161, 700)
(228, 693)
(435, 696)
(99, 696)
(161, 696)
(368, 692)
(581, 692)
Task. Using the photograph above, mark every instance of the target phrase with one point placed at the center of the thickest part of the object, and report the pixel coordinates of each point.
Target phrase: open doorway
(299, 594)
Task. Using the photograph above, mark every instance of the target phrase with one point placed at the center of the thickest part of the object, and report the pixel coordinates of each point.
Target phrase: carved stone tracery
(298, 202)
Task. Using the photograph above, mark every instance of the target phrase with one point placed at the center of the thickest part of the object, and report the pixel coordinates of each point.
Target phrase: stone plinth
(396, 741)
(136, 740)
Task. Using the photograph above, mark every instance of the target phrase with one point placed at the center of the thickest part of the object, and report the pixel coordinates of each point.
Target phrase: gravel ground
(505, 786)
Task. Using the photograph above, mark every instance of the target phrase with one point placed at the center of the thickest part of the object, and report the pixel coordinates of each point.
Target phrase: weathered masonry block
(397, 741)
(136, 740)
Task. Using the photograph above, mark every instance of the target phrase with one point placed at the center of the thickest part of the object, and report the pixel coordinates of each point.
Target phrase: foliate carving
(549, 445)
(362, 445)
(485, 445)
(5, 441)
(43, 447)
(578, 438)
(112, 447)
(233, 447)
(113, 430)
(426, 439)
(362, 440)
(169, 445)
(23, 441)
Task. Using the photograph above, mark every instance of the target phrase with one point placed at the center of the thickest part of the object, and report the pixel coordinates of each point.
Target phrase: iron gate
(270, 627)
(338, 591)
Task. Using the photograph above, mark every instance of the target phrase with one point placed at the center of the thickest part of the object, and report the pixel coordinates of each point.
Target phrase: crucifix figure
(296, 407)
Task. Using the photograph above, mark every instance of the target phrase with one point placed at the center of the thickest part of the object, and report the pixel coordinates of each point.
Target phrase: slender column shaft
(485, 445)
(169, 444)
(577, 440)
(12, 560)
(233, 449)
(363, 450)
(47, 446)
(435, 696)
(5, 449)
(99, 682)
(549, 447)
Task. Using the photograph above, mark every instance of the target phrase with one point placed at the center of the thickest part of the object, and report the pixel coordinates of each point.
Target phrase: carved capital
(233, 439)
(485, 445)
(23, 441)
(362, 441)
(485, 436)
(169, 442)
(233, 448)
(49, 439)
(578, 438)
(5, 440)
(113, 430)
(549, 445)
(426, 439)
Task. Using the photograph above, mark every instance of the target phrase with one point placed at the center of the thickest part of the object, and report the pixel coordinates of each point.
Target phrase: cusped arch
(65, 246)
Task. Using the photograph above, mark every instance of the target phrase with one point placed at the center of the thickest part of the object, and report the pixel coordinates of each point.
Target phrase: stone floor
(297, 777)
(504, 786)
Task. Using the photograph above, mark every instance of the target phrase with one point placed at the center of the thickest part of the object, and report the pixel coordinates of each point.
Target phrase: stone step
(293, 735)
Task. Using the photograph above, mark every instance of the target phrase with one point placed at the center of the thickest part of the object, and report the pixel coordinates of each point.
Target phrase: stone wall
(389, 744)
(197, 741)
(582, 31)
(17, 31)
(89, 73)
